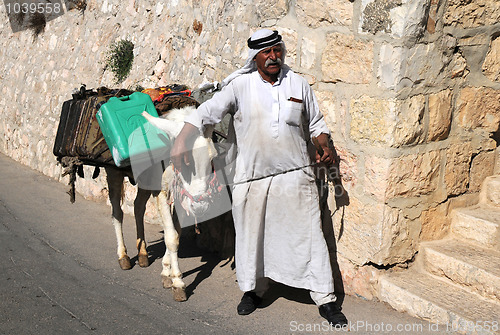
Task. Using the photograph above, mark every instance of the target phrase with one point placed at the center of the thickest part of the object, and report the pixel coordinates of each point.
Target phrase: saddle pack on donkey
(79, 140)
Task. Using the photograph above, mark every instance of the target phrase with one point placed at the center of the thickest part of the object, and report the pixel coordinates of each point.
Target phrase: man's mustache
(269, 62)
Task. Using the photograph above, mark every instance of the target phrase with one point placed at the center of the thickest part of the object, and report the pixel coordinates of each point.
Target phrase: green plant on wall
(119, 59)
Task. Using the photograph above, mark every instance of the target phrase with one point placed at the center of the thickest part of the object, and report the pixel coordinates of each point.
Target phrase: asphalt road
(59, 275)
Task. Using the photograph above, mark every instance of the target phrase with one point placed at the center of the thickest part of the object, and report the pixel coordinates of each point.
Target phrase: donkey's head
(191, 186)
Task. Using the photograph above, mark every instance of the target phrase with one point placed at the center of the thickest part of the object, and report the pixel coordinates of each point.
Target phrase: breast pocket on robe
(292, 113)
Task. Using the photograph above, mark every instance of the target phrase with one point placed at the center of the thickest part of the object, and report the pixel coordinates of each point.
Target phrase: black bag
(78, 134)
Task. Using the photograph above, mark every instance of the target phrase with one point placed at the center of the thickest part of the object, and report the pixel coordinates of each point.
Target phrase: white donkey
(194, 184)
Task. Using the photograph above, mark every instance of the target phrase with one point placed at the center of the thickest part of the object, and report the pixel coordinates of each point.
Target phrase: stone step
(472, 267)
(490, 191)
(478, 224)
(425, 296)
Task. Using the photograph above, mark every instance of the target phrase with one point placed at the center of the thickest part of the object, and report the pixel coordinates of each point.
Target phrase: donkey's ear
(170, 127)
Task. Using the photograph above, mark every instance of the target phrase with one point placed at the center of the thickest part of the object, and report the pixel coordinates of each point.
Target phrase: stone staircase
(456, 281)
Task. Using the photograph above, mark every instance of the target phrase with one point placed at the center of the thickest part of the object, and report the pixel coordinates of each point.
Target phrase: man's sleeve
(317, 123)
(213, 110)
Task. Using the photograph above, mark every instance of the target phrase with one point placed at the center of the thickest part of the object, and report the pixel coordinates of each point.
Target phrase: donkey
(193, 183)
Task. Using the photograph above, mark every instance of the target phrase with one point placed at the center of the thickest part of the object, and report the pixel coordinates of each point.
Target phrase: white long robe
(277, 218)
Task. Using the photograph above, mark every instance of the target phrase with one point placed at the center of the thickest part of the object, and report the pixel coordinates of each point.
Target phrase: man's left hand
(327, 156)
(324, 154)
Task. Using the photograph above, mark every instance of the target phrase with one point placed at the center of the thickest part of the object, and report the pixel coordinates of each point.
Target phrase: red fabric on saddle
(160, 93)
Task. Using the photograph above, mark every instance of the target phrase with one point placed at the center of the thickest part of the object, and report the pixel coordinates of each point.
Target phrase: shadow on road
(277, 290)
(188, 248)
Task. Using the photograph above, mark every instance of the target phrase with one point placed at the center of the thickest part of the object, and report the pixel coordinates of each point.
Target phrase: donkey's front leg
(171, 274)
(115, 183)
(139, 209)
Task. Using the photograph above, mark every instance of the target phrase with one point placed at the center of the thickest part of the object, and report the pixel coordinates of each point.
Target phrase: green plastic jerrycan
(130, 137)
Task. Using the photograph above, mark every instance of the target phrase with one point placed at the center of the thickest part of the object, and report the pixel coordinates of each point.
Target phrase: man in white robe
(275, 198)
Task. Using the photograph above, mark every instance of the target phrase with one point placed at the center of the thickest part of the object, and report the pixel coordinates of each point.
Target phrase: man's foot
(248, 303)
(333, 314)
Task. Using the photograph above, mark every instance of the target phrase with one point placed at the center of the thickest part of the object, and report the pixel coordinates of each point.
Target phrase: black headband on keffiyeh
(264, 42)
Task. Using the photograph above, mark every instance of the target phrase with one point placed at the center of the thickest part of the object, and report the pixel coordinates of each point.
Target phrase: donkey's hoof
(143, 261)
(179, 294)
(167, 282)
(125, 263)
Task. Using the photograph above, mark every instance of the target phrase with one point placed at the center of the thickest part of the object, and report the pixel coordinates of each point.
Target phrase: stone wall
(423, 133)
(409, 88)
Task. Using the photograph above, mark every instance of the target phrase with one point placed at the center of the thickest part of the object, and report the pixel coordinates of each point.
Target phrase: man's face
(269, 60)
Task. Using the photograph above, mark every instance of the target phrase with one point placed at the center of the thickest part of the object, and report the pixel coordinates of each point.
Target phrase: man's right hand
(179, 154)
(182, 148)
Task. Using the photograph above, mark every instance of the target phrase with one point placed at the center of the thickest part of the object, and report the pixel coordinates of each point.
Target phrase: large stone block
(373, 232)
(376, 176)
(326, 103)
(399, 18)
(316, 13)
(456, 177)
(376, 15)
(358, 280)
(347, 60)
(422, 65)
(491, 65)
(433, 16)
(308, 53)
(268, 10)
(160, 68)
(470, 14)
(348, 167)
(290, 39)
(482, 166)
(479, 107)
(440, 108)
(391, 62)
(409, 18)
(407, 176)
(435, 223)
(369, 120)
(390, 122)
(408, 127)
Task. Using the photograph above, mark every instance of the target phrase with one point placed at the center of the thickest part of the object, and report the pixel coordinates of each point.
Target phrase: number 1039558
(25, 7)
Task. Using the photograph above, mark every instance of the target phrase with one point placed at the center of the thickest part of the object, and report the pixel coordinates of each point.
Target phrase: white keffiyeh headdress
(260, 40)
